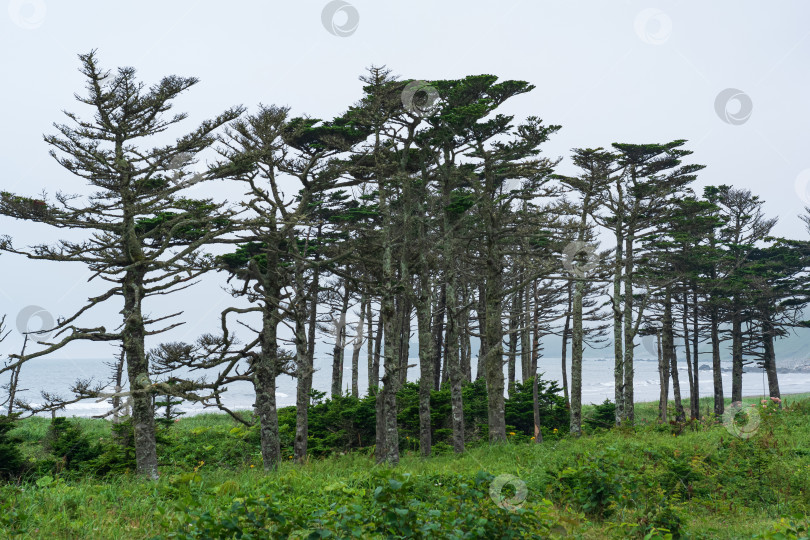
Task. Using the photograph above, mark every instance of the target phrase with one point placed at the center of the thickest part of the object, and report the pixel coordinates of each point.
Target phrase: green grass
(608, 484)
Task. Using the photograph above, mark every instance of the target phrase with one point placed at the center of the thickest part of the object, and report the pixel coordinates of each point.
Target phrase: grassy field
(696, 480)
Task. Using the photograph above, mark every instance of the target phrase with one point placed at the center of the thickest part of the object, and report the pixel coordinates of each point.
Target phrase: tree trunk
(374, 376)
(672, 358)
(340, 345)
(770, 360)
(483, 348)
(143, 408)
(358, 345)
(264, 382)
(736, 352)
(694, 413)
(629, 333)
(577, 338)
(438, 336)
(426, 359)
(695, 346)
(618, 352)
(663, 376)
(514, 315)
(565, 333)
(305, 356)
(719, 405)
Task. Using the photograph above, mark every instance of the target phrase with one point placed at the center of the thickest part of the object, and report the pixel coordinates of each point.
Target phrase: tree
(145, 235)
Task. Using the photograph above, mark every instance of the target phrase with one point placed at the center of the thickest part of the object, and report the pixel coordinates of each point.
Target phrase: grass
(620, 483)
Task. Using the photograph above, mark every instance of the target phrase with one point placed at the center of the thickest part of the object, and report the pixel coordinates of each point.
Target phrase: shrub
(11, 460)
(67, 443)
(602, 416)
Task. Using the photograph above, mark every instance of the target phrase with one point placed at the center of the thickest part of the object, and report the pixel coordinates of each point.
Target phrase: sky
(731, 77)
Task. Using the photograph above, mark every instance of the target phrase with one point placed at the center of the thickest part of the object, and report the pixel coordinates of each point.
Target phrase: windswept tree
(143, 234)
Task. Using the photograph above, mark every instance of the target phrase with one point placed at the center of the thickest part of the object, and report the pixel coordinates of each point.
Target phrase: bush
(67, 443)
(602, 416)
(11, 460)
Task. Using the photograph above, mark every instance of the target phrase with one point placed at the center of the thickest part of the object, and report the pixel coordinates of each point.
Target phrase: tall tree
(145, 234)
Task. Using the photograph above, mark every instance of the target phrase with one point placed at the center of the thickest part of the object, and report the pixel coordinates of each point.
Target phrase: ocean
(57, 375)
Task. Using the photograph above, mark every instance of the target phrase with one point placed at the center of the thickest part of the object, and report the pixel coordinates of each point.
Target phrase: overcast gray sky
(623, 71)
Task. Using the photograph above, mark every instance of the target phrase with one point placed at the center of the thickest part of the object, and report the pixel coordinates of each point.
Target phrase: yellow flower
(252, 466)
(555, 431)
(512, 433)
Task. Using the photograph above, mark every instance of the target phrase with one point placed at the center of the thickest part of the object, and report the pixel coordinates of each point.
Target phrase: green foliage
(69, 445)
(602, 416)
(11, 459)
(595, 483)
(403, 507)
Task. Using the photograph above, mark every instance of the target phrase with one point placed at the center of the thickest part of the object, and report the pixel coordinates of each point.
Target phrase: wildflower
(776, 399)
(555, 431)
(252, 466)
(531, 439)
(512, 433)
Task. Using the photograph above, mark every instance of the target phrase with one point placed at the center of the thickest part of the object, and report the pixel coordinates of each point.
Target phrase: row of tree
(421, 200)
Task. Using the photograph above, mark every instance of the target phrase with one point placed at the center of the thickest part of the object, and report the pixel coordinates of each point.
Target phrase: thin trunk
(374, 377)
(719, 406)
(695, 346)
(370, 345)
(694, 413)
(514, 316)
(404, 339)
(663, 377)
(438, 336)
(340, 345)
(483, 348)
(426, 359)
(565, 333)
(669, 334)
(525, 335)
(736, 352)
(629, 334)
(305, 355)
(618, 352)
(358, 345)
(770, 360)
(576, 358)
